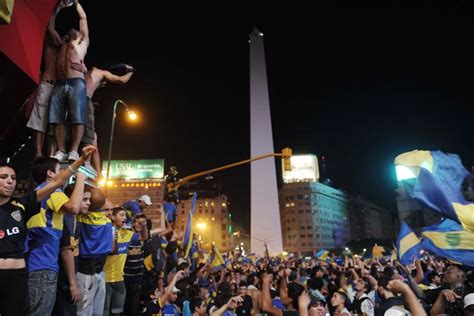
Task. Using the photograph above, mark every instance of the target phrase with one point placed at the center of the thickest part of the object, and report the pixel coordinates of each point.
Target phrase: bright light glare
(132, 115)
(404, 173)
(102, 182)
(201, 225)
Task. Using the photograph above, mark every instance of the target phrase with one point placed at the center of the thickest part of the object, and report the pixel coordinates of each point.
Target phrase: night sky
(356, 85)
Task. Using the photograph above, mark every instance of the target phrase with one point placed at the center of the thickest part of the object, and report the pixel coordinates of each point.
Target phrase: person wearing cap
(317, 307)
(136, 207)
(169, 306)
(162, 300)
(469, 304)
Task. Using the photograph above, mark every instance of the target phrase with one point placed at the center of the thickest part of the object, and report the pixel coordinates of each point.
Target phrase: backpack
(356, 306)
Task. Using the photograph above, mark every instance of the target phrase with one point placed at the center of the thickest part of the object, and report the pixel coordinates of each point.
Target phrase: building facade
(211, 222)
(369, 221)
(313, 216)
(412, 212)
(121, 190)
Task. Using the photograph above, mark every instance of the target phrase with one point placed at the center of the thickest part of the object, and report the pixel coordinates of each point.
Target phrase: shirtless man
(96, 78)
(39, 118)
(69, 94)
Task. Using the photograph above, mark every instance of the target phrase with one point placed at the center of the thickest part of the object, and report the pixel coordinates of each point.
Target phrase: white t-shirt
(367, 306)
(397, 311)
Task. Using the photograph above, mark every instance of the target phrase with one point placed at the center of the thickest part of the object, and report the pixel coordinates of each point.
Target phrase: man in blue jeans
(69, 93)
(44, 234)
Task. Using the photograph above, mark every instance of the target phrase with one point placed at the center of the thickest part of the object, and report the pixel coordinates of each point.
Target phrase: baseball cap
(146, 199)
(468, 300)
(176, 290)
(181, 261)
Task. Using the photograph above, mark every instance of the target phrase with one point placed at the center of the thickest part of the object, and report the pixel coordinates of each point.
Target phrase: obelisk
(265, 225)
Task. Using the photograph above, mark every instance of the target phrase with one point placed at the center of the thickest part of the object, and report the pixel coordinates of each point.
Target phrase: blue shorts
(69, 96)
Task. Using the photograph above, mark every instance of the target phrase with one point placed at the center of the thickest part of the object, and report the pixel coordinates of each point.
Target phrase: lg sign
(13, 231)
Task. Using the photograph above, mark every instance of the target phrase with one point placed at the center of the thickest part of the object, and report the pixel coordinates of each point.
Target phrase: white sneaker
(60, 156)
(88, 165)
(73, 155)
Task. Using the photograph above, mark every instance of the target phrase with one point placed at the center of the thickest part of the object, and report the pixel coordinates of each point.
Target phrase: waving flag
(447, 239)
(408, 245)
(188, 233)
(322, 254)
(377, 251)
(437, 181)
(217, 262)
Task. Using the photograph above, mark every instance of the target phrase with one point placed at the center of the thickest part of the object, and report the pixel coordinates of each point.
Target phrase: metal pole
(111, 140)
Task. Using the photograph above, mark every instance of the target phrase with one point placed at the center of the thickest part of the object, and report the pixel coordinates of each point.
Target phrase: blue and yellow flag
(408, 245)
(217, 262)
(322, 254)
(437, 181)
(447, 239)
(188, 233)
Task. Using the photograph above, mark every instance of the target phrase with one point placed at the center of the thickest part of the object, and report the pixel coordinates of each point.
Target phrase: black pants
(13, 292)
(132, 300)
(63, 305)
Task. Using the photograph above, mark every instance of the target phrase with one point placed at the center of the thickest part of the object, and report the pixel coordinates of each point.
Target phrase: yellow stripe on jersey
(38, 220)
(93, 218)
(54, 203)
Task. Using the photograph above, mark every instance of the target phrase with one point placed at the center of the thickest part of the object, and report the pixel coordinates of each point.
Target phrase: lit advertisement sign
(303, 168)
(134, 169)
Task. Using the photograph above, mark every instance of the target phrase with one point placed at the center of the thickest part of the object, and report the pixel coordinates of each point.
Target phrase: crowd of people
(72, 252)
(65, 249)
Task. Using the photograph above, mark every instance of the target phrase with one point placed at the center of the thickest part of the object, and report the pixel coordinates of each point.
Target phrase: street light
(201, 225)
(133, 117)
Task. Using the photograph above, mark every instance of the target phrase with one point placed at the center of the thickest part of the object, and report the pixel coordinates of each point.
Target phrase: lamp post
(133, 116)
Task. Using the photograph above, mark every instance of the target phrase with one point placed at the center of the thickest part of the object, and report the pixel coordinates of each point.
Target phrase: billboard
(134, 169)
(303, 168)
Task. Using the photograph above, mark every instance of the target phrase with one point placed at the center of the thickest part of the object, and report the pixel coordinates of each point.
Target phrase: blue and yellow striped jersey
(44, 233)
(115, 263)
(95, 234)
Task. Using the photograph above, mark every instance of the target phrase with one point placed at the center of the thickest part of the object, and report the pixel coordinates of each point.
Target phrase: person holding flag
(188, 233)
(408, 245)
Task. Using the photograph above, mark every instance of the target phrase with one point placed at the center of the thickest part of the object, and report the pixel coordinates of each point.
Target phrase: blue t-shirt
(170, 310)
(277, 303)
(170, 211)
(133, 206)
